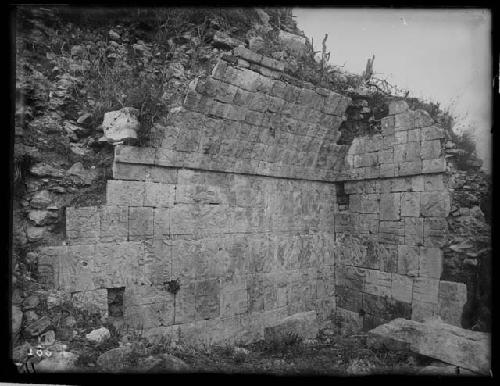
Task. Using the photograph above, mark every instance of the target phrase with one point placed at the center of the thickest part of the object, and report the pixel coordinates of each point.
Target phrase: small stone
(31, 302)
(99, 335)
(84, 119)
(39, 217)
(114, 35)
(48, 338)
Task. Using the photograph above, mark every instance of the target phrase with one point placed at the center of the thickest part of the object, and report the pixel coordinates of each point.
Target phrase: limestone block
(350, 277)
(83, 224)
(255, 290)
(410, 204)
(342, 106)
(388, 256)
(347, 298)
(435, 204)
(386, 156)
(425, 290)
(367, 222)
(389, 140)
(434, 165)
(435, 231)
(434, 183)
(331, 102)
(431, 262)
(219, 69)
(390, 205)
(408, 184)
(431, 149)
(134, 154)
(167, 157)
(391, 232)
(184, 254)
(414, 135)
(123, 171)
(408, 260)
(397, 107)
(355, 203)
(402, 288)
(75, 271)
(422, 118)
(140, 223)
(272, 63)
(451, 300)
(207, 299)
(121, 124)
(387, 124)
(247, 54)
(161, 223)
(126, 193)
(432, 132)
(278, 89)
(403, 121)
(387, 170)
(401, 137)
(159, 195)
(414, 231)
(422, 311)
(114, 223)
(185, 311)
(409, 168)
(369, 203)
(295, 43)
(378, 283)
(407, 152)
(243, 78)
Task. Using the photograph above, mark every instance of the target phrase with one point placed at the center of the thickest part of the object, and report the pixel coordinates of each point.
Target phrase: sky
(439, 55)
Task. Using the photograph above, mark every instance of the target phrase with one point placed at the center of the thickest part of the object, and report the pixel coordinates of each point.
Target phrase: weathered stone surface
(115, 359)
(435, 204)
(295, 43)
(450, 344)
(397, 107)
(302, 324)
(36, 328)
(431, 262)
(408, 260)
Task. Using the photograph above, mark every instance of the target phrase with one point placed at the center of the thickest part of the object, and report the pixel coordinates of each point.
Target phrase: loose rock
(36, 328)
(99, 335)
(62, 361)
(121, 124)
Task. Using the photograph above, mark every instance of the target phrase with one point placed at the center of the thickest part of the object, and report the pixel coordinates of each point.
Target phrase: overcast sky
(439, 55)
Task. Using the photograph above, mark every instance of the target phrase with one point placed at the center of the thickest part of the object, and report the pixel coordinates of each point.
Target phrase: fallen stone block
(304, 324)
(121, 124)
(447, 343)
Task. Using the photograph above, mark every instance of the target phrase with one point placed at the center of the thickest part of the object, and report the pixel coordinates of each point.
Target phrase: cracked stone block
(76, 271)
(451, 300)
(114, 223)
(390, 206)
(126, 193)
(378, 283)
(410, 204)
(408, 260)
(425, 290)
(435, 204)
(414, 231)
(431, 262)
(140, 223)
(402, 288)
(435, 231)
(83, 224)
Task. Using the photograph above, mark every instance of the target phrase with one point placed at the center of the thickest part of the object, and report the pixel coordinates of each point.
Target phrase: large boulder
(439, 340)
(121, 124)
(303, 324)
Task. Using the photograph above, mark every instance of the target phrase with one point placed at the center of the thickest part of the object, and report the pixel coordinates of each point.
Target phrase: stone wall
(252, 206)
